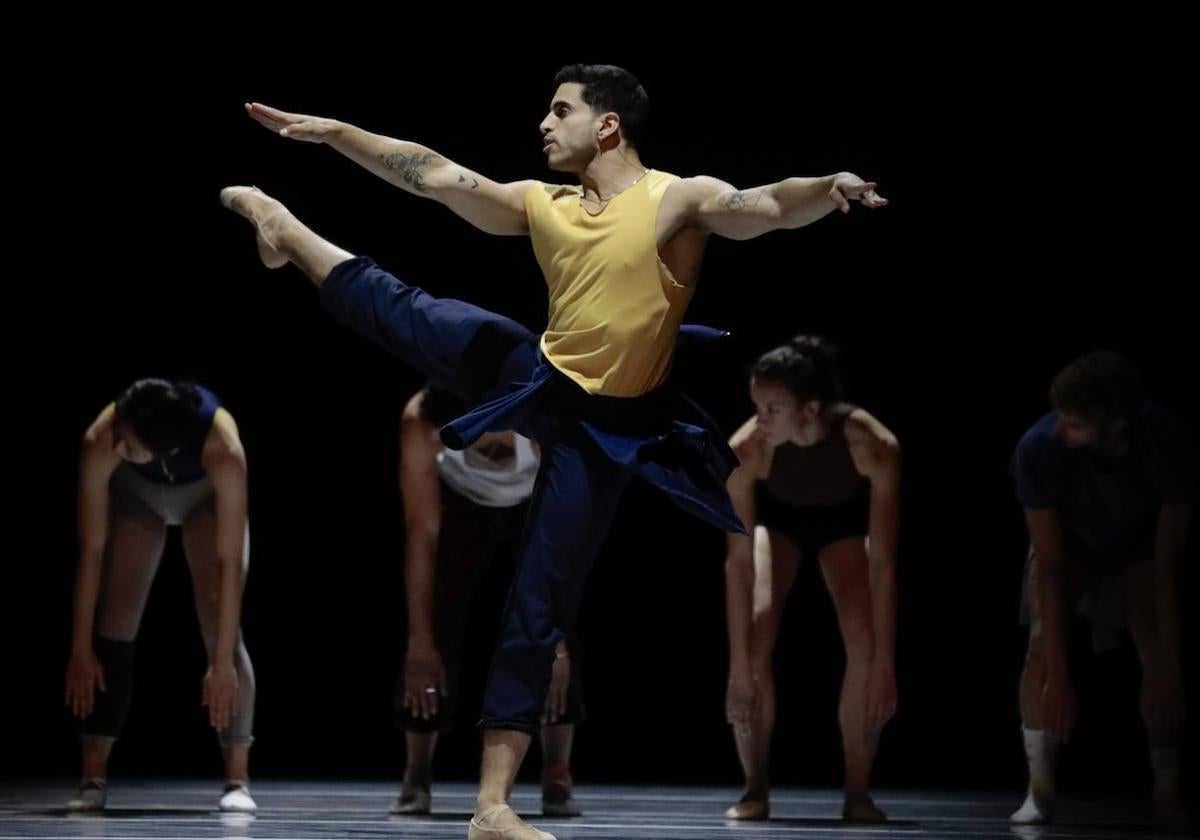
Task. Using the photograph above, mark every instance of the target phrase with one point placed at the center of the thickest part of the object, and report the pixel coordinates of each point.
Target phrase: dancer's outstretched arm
(490, 206)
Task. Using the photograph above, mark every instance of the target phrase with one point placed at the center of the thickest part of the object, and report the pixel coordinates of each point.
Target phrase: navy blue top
(1107, 508)
(183, 465)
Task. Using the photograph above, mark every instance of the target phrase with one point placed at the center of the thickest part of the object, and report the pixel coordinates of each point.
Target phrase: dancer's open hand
(881, 697)
(1058, 706)
(84, 675)
(296, 126)
(560, 686)
(219, 694)
(741, 696)
(424, 679)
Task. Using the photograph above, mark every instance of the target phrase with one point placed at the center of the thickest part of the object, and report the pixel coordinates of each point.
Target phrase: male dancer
(621, 255)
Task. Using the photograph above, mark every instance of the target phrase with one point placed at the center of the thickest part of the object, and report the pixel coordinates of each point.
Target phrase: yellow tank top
(615, 309)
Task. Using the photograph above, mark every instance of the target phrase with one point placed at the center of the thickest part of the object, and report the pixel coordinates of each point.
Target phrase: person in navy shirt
(1107, 482)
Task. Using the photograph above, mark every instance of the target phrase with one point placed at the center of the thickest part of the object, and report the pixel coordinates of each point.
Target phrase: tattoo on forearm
(740, 200)
(462, 179)
(410, 167)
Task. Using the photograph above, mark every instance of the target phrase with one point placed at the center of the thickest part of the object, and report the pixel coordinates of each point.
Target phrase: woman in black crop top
(818, 478)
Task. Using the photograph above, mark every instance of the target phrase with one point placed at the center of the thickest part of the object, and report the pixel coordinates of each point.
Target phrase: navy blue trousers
(591, 448)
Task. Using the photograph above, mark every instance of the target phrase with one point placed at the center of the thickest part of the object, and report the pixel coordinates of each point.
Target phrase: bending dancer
(819, 479)
(460, 507)
(165, 453)
(1107, 481)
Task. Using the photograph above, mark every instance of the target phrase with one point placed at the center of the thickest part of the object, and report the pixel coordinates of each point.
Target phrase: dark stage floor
(177, 810)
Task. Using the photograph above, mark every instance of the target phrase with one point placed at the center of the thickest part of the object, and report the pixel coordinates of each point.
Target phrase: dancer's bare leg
(503, 752)
(776, 562)
(844, 565)
(557, 799)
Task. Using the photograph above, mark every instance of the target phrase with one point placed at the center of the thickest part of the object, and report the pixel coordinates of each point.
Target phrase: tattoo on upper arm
(410, 167)
(740, 200)
(462, 179)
